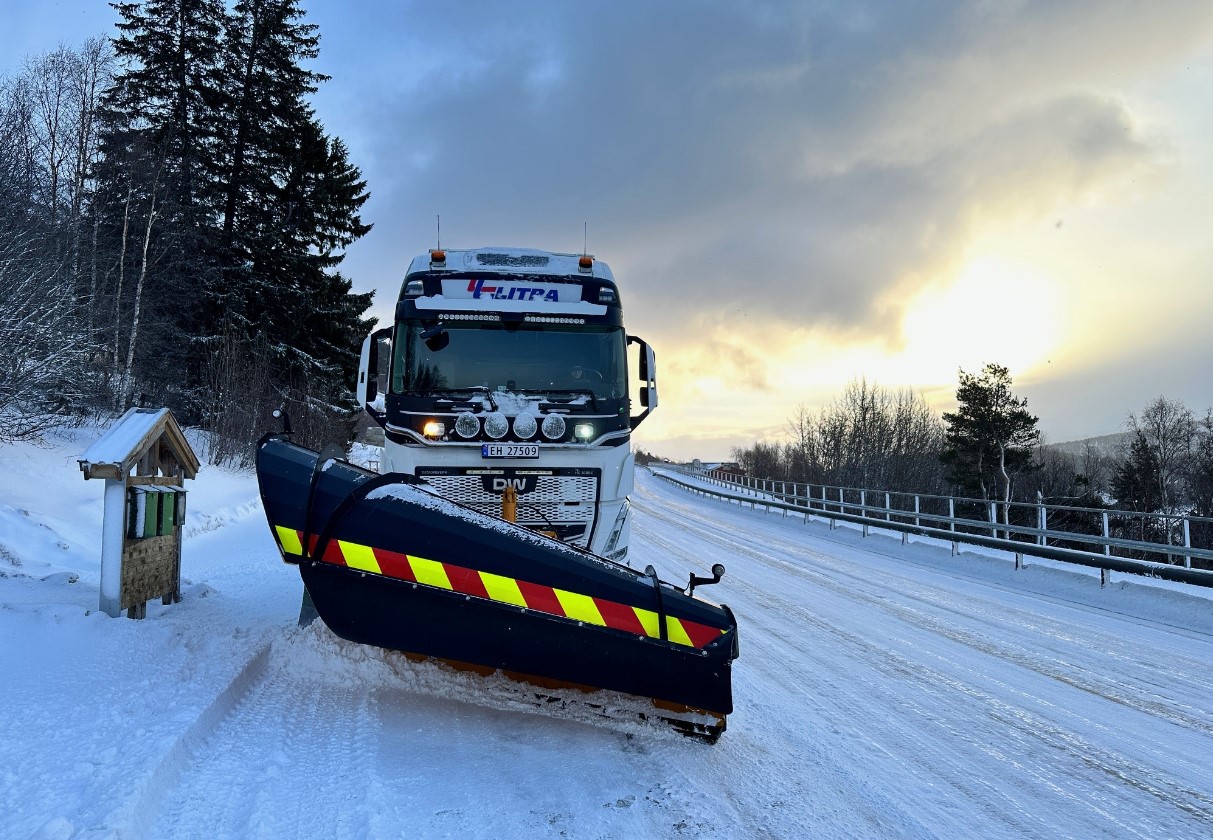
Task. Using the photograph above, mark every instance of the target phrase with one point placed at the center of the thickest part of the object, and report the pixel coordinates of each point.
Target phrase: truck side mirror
(647, 369)
(370, 369)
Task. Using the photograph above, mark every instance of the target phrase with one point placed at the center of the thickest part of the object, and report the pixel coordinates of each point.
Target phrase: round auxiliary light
(525, 426)
(466, 425)
(553, 426)
(495, 425)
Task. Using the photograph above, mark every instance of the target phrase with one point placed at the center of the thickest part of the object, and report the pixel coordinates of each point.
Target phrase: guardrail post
(888, 508)
(863, 509)
(917, 510)
(1187, 543)
(1042, 518)
(952, 521)
(994, 520)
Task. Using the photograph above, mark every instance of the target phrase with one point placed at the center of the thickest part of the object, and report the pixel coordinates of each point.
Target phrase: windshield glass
(536, 358)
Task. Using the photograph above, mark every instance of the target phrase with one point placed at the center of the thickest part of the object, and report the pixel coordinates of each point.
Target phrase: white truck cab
(509, 367)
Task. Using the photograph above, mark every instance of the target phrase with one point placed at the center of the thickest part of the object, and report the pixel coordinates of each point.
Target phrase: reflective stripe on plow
(360, 557)
(491, 587)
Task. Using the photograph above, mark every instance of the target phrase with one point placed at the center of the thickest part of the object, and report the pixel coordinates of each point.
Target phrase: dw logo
(523, 483)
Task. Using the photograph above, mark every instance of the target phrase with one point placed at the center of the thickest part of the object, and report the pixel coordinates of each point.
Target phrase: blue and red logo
(479, 290)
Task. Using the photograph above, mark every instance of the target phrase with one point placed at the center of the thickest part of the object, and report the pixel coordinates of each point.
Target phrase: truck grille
(560, 500)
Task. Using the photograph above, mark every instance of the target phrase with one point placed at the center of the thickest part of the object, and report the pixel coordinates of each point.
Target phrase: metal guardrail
(943, 517)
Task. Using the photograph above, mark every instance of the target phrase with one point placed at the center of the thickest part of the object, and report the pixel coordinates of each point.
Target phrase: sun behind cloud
(995, 310)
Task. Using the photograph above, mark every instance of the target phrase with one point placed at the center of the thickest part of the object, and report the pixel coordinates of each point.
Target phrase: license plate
(509, 450)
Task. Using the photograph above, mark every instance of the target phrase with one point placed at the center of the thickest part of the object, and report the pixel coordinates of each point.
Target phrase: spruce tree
(156, 194)
(291, 205)
(990, 436)
(225, 200)
(1136, 483)
(168, 94)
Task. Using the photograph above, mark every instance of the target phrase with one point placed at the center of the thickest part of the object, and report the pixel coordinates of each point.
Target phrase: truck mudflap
(389, 564)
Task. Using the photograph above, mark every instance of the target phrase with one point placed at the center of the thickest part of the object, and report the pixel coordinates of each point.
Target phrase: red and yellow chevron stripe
(506, 590)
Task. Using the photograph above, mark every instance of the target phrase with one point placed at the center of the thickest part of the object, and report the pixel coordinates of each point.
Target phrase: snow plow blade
(388, 563)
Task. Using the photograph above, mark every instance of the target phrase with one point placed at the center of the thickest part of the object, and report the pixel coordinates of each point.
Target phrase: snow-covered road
(882, 691)
(890, 695)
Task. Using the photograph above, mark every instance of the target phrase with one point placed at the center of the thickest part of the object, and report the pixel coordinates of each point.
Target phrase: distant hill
(1112, 444)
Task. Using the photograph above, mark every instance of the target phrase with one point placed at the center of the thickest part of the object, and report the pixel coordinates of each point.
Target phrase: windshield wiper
(471, 389)
(571, 392)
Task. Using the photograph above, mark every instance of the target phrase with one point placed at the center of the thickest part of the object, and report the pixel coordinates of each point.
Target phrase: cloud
(758, 170)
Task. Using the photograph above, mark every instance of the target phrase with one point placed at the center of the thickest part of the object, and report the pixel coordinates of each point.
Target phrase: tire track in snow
(273, 762)
(1020, 724)
(167, 774)
(825, 696)
(1089, 679)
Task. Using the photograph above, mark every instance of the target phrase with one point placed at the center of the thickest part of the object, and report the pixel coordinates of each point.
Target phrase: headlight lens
(525, 426)
(466, 425)
(583, 431)
(553, 426)
(433, 429)
(495, 425)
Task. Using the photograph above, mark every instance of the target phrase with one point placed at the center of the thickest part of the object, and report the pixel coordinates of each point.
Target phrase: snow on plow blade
(389, 564)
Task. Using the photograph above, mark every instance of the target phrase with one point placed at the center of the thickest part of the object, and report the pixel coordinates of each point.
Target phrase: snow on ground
(882, 691)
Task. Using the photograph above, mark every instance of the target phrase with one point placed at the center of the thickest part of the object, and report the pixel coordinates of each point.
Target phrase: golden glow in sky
(992, 310)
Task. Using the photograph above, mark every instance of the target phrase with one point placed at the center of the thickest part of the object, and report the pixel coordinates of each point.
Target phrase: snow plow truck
(495, 534)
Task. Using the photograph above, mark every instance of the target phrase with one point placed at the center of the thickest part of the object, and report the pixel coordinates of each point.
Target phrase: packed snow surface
(882, 691)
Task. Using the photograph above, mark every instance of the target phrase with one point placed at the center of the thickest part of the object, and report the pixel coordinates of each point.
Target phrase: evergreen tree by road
(991, 435)
(224, 209)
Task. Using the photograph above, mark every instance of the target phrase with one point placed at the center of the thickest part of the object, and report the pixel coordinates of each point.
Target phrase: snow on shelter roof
(129, 439)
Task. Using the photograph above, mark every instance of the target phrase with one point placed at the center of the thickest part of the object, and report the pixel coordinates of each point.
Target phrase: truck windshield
(521, 358)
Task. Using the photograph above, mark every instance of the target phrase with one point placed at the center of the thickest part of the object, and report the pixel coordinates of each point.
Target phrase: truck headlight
(583, 431)
(553, 427)
(525, 426)
(496, 425)
(433, 429)
(466, 425)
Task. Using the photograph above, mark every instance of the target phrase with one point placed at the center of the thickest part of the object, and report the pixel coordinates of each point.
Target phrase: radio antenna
(439, 218)
(585, 237)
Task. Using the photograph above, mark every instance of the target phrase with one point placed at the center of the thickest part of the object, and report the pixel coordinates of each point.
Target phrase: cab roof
(503, 260)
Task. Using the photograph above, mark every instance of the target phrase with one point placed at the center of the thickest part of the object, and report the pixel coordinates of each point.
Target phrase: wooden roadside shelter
(145, 460)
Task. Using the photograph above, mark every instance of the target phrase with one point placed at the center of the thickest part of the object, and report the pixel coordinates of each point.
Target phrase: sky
(794, 195)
